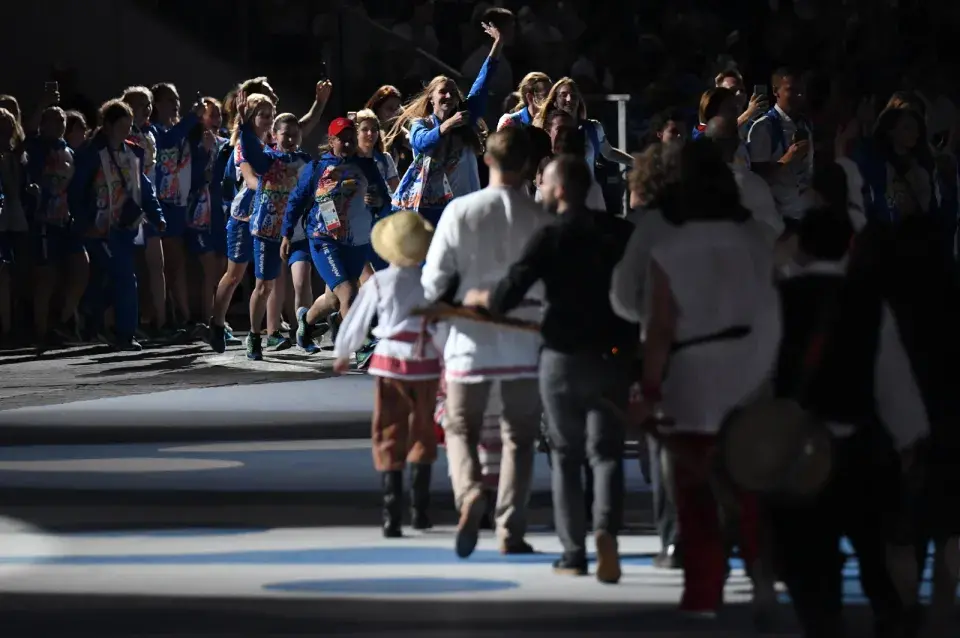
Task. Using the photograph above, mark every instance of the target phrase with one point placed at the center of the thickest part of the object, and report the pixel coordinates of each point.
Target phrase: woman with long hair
(370, 145)
(57, 248)
(565, 95)
(109, 195)
(711, 276)
(445, 134)
(260, 113)
(533, 91)
(387, 104)
(279, 171)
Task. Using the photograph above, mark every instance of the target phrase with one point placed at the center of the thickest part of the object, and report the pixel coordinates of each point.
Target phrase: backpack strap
(777, 138)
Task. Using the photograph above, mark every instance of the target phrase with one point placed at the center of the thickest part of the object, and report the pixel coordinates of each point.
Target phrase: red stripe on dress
(480, 371)
(404, 367)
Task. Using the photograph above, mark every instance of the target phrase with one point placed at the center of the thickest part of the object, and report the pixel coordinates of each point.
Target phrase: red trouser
(704, 554)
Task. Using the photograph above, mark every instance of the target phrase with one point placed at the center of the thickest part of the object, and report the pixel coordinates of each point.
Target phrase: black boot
(392, 504)
(420, 495)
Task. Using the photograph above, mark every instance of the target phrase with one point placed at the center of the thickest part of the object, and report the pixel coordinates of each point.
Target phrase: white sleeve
(757, 197)
(601, 134)
(391, 168)
(356, 325)
(899, 404)
(503, 121)
(629, 277)
(441, 265)
(759, 143)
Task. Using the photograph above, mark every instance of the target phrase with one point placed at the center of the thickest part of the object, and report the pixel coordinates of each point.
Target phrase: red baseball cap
(339, 125)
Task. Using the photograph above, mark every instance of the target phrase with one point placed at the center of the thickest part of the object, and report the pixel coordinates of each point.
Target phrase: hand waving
(242, 105)
(491, 30)
(324, 89)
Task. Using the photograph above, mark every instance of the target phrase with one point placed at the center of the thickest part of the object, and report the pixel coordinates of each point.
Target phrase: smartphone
(51, 87)
(352, 115)
(802, 135)
(760, 89)
(323, 75)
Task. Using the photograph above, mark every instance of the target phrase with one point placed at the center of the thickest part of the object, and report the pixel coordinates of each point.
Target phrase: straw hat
(402, 239)
(774, 446)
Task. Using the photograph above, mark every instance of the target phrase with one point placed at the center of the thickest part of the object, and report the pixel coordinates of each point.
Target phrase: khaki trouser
(519, 426)
(403, 423)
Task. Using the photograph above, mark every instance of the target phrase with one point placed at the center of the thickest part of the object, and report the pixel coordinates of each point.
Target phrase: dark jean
(584, 397)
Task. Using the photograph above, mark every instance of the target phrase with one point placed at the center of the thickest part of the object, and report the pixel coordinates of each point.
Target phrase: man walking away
(586, 361)
(477, 238)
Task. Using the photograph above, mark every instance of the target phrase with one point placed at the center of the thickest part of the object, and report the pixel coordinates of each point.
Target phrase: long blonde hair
(527, 85)
(420, 107)
(367, 115)
(551, 100)
(17, 131)
(254, 102)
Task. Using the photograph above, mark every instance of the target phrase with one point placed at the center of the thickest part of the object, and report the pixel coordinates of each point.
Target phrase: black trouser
(577, 392)
(855, 504)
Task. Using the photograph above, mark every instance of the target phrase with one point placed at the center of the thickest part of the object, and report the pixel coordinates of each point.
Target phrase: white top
(720, 275)
(755, 196)
(791, 185)
(407, 349)
(478, 238)
(899, 404)
(628, 282)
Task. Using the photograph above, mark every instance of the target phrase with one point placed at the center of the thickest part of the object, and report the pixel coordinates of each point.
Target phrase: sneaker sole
(468, 533)
(568, 571)
(608, 559)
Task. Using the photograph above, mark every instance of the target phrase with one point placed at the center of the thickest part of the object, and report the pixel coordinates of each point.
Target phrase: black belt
(732, 333)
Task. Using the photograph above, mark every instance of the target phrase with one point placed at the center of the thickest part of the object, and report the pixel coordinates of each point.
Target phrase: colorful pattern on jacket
(242, 205)
(51, 165)
(200, 208)
(427, 182)
(279, 174)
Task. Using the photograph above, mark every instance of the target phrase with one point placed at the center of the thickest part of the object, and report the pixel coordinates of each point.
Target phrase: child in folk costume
(405, 364)
(488, 450)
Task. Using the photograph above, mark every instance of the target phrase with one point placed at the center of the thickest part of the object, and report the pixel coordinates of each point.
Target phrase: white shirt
(790, 184)
(478, 238)
(391, 295)
(720, 276)
(628, 282)
(755, 196)
(899, 403)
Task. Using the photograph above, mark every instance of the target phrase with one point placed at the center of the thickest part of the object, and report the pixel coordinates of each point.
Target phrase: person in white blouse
(479, 236)
(405, 364)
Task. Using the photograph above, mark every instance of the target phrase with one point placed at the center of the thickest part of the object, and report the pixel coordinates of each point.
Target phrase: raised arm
(259, 157)
(608, 151)
(309, 121)
(480, 91)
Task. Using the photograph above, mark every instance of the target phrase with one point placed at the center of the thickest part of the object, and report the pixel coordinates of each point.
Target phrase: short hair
(285, 118)
(570, 140)
(574, 176)
(781, 74)
(113, 111)
(498, 17)
(75, 118)
(259, 85)
(509, 149)
(209, 101)
(137, 90)
(659, 121)
(511, 102)
(655, 173)
(52, 110)
(729, 73)
(162, 88)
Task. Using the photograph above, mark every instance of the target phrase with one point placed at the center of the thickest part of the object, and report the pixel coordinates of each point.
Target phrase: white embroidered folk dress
(721, 277)
(406, 348)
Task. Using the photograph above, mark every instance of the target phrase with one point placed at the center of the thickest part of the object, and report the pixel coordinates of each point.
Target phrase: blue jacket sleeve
(258, 156)
(480, 91)
(36, 156)
(300, 198)
(174, 135)
(422, 137)
(79, 192)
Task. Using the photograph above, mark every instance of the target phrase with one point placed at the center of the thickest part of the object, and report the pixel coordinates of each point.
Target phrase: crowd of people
(764, 257)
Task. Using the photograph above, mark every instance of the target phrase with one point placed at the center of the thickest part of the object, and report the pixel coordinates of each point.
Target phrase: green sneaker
(279, 342)
(254, 347)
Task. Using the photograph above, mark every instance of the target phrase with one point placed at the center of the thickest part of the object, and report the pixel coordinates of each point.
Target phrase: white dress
(721, 277)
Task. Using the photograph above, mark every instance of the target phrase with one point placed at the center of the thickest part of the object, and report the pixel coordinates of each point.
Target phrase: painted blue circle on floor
(392, 586)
